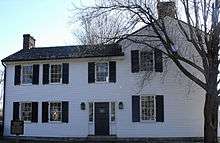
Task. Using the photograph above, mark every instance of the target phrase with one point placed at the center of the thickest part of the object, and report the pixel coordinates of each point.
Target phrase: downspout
(3, 120)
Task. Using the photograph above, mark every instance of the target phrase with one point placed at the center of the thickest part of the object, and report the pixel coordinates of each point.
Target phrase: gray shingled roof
(65, 52)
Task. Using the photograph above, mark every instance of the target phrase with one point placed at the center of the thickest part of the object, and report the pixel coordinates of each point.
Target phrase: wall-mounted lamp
(120, 105)
(83, 106)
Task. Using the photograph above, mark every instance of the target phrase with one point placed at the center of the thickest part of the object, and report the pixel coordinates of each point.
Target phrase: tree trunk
(211, 118)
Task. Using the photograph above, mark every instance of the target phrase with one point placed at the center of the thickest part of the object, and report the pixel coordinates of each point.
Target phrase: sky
(48, 21)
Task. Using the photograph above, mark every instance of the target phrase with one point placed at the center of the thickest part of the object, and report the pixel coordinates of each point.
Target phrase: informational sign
(17, 127)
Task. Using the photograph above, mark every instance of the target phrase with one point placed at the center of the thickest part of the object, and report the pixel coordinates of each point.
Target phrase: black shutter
(35, 78)
(65, 111)
(65, 73)
(44, 112)
(91, 72)
(134, 61)
(159, 108)
(158, 60)
(17, 78)
(112, 71)
(135, 108)
(15, 111)
(46, 74)
(34, 112)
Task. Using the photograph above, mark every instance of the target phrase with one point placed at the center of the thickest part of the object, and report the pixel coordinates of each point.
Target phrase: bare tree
(102, 29)
(201, 28)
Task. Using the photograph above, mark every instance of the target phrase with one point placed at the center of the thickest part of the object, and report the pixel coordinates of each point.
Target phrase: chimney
(166, 8)
(28, 41)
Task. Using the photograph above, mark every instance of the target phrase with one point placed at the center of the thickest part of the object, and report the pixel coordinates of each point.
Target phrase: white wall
(183, 110)
(183, 100)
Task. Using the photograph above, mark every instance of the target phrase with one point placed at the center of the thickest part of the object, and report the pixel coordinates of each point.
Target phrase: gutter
(3, 120)
(62, 58)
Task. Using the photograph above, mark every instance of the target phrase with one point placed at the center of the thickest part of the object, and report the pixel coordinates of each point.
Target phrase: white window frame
(93, 114)
(152, 59)
(21, 78)
(110, 112)
(60, 112)
(107, 80)
(20, 111)
(61, 72)
(154, 109)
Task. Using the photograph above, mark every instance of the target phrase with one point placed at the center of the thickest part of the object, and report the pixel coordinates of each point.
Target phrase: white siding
(183, 110)
(183, 100)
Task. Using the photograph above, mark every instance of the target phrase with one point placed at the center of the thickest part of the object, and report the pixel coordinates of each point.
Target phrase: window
(90, 112)
(146, 61)
(147, 108)
(55, 111)
(55, 73)
(101, 72)
(27, 73)
(112, 111)
(26, 111)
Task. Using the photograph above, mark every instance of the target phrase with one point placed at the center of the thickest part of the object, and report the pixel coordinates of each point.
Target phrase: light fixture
(120, 105)
(83, 106)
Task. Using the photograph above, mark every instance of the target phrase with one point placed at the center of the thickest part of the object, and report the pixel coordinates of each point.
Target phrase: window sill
(55, 122)
(28, 122)
(29, 84)
(141, 72)
(55, 84)
(102, 83)
(20, 85)
(112, 122)
(147, 121)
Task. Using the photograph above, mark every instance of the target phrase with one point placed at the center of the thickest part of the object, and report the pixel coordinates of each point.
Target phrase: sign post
(17, 128)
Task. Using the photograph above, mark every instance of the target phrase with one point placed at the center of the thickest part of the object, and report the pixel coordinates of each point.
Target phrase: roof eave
(61, 58)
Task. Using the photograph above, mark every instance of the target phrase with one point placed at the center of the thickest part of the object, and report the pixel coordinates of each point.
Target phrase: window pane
(55, 111)
(90, 112)
(26, 111)
(112, 111)
(147, 108)
(146, 63)
(55, 73)
(27, 74)
(101, 71)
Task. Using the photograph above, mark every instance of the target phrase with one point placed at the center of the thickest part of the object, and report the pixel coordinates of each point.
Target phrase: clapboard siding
(182, 110)
(183, 116)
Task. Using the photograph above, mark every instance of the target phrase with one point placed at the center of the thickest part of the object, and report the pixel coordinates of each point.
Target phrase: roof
(66, 52)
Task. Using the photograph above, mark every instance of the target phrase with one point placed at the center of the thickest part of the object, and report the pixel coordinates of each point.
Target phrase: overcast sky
(48, 21)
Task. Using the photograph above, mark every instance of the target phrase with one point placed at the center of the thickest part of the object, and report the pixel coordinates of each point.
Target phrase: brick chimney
(166, 8)
(28, 41)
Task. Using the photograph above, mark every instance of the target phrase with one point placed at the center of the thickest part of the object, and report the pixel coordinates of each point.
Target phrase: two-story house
(78, 91)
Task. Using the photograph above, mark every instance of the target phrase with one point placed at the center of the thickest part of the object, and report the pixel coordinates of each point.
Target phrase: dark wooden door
(102, 118)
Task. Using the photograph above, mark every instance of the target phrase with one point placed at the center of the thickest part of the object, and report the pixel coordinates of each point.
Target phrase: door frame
(108, 117)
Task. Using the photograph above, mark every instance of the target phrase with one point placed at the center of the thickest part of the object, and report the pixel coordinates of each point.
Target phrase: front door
(102, 118)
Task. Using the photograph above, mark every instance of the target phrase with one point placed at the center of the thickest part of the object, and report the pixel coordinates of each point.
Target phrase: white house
(78, 91)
